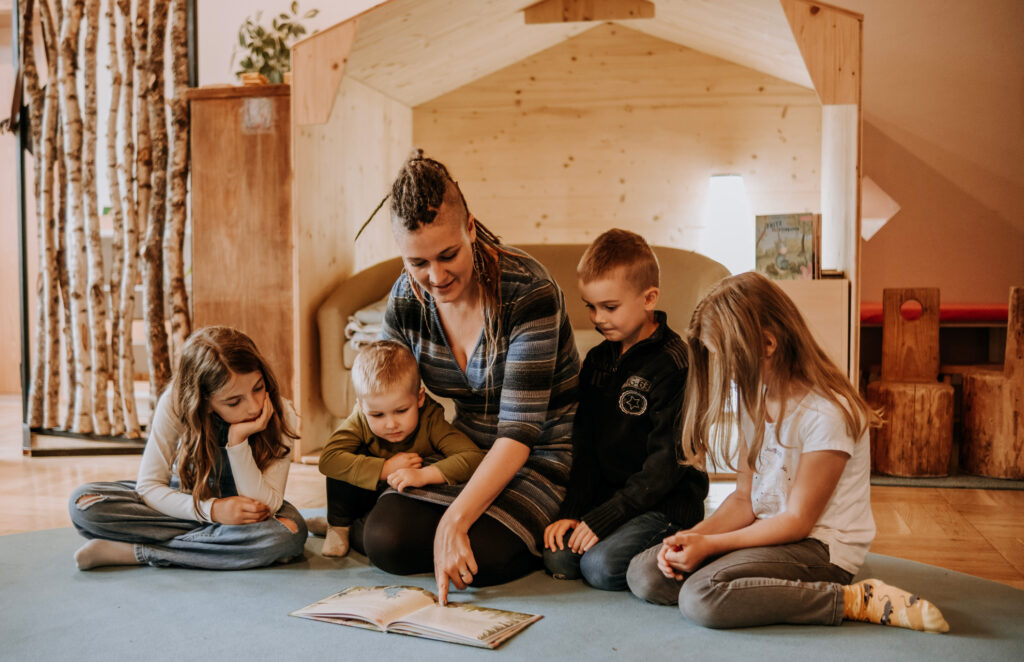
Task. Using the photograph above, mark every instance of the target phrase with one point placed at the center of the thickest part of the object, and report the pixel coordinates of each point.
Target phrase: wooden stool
(994, 407)
(916, 438)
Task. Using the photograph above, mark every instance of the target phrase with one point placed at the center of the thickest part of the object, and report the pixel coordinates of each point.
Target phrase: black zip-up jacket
(625, 436)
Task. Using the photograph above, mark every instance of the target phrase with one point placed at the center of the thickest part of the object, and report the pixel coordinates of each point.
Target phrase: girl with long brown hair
(210, 489)
(784, 547)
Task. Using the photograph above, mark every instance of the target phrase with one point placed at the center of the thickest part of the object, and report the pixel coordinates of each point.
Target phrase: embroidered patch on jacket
(637, 383)
(632, 403)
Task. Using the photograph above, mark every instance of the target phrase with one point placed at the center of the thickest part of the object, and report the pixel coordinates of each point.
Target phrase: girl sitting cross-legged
(210, 490)
(785, 545)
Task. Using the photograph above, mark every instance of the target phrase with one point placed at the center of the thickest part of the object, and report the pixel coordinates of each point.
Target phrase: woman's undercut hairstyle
(420, 188)
(383, 366)
(623, 249)
(726, 348)
(209, 358)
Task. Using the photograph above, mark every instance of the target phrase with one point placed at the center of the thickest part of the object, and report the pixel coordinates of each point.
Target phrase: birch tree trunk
(51, 242)
(72, 120)
(97, 298)
(117, 213)
(131, 236)
(174, 238)
(144, 166)
(152, 250)
(64, 278)
(30, 77)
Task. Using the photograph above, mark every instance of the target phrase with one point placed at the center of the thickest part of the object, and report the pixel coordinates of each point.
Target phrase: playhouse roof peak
(417, 50)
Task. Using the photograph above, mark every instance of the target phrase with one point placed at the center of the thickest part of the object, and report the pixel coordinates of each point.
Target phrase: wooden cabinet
(241, 217)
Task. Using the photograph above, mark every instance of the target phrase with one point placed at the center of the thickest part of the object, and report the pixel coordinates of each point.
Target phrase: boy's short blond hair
(620, 248)
(382, 366)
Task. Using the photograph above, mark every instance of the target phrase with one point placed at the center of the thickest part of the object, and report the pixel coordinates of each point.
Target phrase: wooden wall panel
(617, 128)
(753, 33)
(342, 170)
(318, 67)
(415, 50)
(830, 42)
(241, 215)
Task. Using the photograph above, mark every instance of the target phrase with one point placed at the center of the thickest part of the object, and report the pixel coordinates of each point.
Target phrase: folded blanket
(371, 314)
(361, 335)
(364, 325)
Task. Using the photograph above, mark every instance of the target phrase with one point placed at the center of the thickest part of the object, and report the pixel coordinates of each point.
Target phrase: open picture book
(415, 611)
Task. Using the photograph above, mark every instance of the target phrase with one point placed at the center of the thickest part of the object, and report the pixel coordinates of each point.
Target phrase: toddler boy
(626, 489)
(392, 428)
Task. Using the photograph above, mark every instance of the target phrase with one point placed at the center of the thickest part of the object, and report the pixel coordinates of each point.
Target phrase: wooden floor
(979, 532)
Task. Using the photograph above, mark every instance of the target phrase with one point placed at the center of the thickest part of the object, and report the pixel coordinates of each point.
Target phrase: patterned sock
(336, 542)
(874, 601)
(317, 526)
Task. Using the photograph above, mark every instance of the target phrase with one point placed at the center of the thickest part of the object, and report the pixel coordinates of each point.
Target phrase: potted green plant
(267, 50)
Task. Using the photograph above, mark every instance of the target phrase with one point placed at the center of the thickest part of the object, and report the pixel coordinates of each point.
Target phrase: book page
(465, 623)
(379, 605)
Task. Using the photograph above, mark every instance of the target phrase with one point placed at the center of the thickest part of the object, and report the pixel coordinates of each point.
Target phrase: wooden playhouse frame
(355, 85)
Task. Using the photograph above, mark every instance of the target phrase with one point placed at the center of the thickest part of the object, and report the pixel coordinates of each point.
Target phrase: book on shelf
(789, 246)
(416, 612)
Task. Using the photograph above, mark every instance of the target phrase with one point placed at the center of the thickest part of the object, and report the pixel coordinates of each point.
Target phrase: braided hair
(417, 194)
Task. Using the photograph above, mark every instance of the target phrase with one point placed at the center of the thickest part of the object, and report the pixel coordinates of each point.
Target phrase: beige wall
(617, 128)
(944, 136)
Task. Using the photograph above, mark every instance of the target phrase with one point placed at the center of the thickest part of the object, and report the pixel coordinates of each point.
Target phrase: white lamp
(728, 234)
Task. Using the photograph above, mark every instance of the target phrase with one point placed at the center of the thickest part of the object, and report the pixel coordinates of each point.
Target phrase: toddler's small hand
(404, 478)
(400, 461)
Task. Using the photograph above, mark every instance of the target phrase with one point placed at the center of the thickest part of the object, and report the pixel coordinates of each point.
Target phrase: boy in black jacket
(626, 489)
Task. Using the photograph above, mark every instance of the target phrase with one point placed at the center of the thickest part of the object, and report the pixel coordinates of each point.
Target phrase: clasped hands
(682, 552)
(237, 510)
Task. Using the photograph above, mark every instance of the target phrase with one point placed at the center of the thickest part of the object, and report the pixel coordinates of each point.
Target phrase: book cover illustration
(787, 246)
(414, 611)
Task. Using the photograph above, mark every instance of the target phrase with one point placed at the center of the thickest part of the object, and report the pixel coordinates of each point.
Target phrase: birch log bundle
(83, 304)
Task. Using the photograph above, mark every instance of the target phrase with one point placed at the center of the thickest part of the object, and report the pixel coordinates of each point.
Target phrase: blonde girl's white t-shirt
(816, 424)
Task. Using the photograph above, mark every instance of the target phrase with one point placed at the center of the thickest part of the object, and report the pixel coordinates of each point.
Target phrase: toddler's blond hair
(382, 366)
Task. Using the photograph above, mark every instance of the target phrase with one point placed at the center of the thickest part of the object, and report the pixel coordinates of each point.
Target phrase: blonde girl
(210, 489)
(785, 545)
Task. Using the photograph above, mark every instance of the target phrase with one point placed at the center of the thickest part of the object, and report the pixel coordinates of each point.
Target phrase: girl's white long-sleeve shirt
(157, 467)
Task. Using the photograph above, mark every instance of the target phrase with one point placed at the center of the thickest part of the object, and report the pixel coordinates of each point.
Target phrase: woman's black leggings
(398, 537)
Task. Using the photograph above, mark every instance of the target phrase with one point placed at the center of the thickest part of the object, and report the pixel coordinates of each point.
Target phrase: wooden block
(566, 11)
(910, 347)
(917, 436)
(994, 407)
(993, 442)
(1014, 359)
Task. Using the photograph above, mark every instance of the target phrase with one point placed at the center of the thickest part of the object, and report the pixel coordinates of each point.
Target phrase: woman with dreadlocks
(489, 329)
